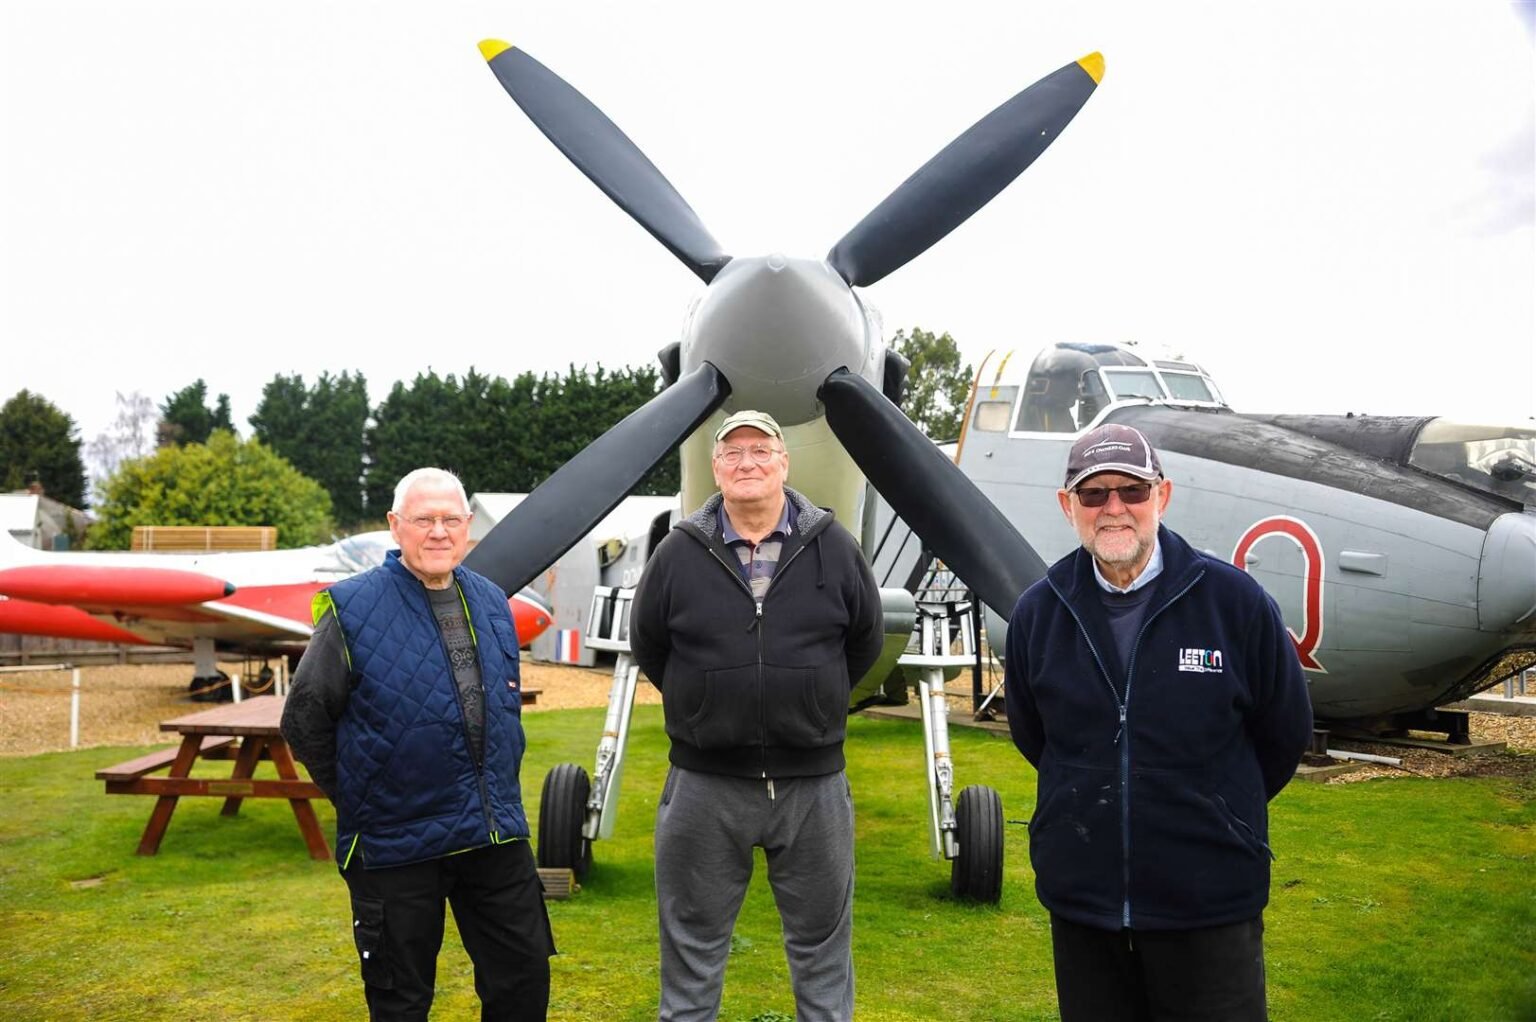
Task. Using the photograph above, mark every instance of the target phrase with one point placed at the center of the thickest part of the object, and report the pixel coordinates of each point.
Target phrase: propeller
(925, 488)
(569, 504)
(965, 175)
(606, 155)
(930, 493)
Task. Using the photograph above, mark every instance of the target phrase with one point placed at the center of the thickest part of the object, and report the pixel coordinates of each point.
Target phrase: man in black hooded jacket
(755, 617)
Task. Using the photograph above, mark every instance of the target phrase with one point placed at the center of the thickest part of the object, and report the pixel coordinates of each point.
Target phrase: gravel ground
(1519, 734)
(124, 704)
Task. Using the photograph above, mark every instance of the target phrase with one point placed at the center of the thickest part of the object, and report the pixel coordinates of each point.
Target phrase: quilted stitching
(405, 686)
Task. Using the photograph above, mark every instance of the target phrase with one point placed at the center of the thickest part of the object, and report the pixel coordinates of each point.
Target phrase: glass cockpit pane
(1496, 459)
(1128, 383)
(361, 552)
(1187, 387)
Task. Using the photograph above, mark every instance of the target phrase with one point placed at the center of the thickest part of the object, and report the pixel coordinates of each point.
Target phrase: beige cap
(747, 417)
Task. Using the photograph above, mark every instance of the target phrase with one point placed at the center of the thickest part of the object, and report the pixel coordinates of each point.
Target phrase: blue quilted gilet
(407, 787)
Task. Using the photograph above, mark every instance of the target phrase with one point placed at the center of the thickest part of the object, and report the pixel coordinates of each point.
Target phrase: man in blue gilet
(406, 709)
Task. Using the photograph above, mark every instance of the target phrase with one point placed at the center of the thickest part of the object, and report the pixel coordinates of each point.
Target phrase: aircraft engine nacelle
(777, 328)
(1506, 595)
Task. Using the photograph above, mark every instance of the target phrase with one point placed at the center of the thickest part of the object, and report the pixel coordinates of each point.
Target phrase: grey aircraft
(1402, 550)
(791, 336)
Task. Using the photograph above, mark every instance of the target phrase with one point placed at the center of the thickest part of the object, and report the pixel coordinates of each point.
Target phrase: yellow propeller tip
(490, 49)
(1093, 64)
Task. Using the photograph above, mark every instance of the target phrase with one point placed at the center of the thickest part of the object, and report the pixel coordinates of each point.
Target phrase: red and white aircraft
(253, 603)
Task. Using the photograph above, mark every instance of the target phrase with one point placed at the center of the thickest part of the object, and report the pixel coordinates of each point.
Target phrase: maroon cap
(1112, 448)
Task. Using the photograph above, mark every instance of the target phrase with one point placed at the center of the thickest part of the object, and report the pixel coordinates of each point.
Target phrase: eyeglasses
(1098, 496)
(424, 523)
(761, 454)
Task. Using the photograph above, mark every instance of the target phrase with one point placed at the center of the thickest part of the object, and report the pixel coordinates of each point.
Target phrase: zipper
(762, 687)
(1122, 739)
(453, 681)
(757, 623)
(1125, 749)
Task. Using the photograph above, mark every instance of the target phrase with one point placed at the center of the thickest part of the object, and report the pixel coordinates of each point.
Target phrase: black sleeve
(866, 621)
(316, 700)
(649, 641)
(1281, 721)
(1024, 722)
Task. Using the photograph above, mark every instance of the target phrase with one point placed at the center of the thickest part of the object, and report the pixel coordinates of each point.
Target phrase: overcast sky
(1329, 204)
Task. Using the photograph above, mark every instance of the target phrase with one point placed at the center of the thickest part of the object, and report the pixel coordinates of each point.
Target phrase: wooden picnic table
(211, 734)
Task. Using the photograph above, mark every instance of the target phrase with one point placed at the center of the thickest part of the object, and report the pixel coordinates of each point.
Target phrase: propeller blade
(606, 155)
(569, 504)
(930, 493)
(964, 176)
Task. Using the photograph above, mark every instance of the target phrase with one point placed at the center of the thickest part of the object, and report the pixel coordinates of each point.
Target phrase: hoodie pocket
(805, 707)
(729, 714)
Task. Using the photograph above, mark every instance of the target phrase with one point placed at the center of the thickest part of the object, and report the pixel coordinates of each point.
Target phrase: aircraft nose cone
(776, 327)
(1506, 576)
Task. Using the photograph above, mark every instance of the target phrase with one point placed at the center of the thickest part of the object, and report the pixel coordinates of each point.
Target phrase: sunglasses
(1098, 496)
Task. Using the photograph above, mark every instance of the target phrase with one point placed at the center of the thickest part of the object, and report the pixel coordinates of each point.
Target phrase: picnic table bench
(212, 734)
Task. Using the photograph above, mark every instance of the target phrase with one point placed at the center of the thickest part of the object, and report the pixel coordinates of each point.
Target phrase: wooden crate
(194, 539)
(559, 884)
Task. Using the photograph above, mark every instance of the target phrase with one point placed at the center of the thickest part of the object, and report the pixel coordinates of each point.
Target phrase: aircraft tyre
(977, 871)
(260, 683)
(210, 690)
(562, 811)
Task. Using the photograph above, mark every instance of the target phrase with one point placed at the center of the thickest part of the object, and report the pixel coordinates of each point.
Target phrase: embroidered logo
(1200, 661)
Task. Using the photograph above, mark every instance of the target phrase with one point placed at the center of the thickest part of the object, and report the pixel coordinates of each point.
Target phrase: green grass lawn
(1393, 900)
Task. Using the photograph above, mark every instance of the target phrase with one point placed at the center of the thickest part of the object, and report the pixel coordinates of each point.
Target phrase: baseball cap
(1112, 447)
(747, 417)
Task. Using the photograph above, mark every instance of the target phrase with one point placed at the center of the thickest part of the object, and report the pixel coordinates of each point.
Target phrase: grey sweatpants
(706, 828)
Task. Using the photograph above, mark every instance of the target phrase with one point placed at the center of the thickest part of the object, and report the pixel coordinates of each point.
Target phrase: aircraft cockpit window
(1495, 459)
(1131, 383)
(1187, 387)
(991, 416)
(363, 551)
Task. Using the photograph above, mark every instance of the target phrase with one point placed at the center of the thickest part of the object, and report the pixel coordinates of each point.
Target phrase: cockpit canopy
(1069, 384)
(360, 552)
(1495, 459)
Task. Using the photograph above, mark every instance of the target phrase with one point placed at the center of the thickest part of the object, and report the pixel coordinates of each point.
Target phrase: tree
(321, 431)
(412, 427)
(227, 481)
(131, 436)
(937, 384)
(185, 418)
(39, 444)
(503, 436)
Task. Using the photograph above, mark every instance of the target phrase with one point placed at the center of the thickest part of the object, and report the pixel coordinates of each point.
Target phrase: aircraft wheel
(210, 690)
(562, 811)
(977, 872)
(260, 684)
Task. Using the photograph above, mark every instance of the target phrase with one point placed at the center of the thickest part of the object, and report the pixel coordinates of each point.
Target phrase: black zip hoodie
(749, 689)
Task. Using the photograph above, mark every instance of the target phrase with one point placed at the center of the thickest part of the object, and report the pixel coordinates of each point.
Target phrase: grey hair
(438, 477)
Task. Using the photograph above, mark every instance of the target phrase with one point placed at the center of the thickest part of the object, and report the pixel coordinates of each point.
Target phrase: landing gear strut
(573, 810)
(969, 834)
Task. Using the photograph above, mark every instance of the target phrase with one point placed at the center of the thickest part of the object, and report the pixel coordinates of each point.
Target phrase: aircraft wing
(172, 606)
(137, 603)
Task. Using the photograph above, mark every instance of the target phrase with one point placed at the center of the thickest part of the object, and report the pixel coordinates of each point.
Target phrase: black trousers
(1214, 974)
(498, 905)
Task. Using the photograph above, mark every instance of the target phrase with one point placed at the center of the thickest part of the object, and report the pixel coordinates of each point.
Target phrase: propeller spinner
(786, 335)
